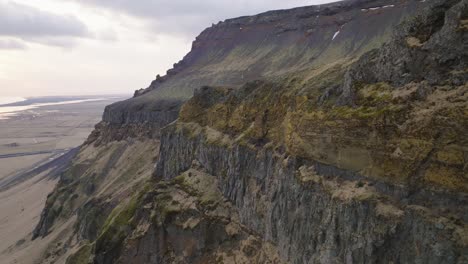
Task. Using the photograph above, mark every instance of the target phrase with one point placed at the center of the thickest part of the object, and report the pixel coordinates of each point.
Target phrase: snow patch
(336, 34)
(377, 7)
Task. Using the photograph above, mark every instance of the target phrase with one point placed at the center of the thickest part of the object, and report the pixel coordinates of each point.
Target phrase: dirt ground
(27, 141)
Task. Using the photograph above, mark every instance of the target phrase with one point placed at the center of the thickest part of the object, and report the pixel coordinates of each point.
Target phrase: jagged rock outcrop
(105, 132)
(186, 220)
(159, 113)
(143, 122)
(314, 213)
(431, 46)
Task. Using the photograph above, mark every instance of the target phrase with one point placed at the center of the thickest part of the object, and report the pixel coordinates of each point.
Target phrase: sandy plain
(29, 140)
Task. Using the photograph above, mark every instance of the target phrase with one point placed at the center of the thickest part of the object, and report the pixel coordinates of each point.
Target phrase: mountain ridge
(228, 55)
(359, 157)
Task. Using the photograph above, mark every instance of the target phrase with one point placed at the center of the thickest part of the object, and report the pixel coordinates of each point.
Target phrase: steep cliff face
(381, 179)
(341, 153)
(185, 220)
(314, 213)
(431, 46)
(271, 44)
(100, 177)
(407, 133)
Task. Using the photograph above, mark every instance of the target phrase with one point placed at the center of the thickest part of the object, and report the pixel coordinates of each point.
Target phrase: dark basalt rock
(257, 157)
(91, 218)
(181, 221)
(431, 46)
(119, 124)
(312, 221)
(159, 112)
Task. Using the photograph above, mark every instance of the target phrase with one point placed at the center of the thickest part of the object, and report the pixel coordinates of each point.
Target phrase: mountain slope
(271, 44)
(341, 153)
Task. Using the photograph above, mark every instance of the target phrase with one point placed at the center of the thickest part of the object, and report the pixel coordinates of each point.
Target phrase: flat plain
(29, 140)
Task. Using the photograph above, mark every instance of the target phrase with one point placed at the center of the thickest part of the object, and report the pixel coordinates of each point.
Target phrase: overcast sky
(81, 47)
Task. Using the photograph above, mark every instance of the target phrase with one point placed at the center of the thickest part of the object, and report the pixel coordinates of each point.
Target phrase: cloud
(107, 34)
(11, 44)
(34, 25)
(189, 17)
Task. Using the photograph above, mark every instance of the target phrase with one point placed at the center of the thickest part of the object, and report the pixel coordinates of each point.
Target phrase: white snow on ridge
(376, 8)
(336, 34)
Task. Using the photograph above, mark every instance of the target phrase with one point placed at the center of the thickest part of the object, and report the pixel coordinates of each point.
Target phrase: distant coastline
(13, 106)
(10, 100)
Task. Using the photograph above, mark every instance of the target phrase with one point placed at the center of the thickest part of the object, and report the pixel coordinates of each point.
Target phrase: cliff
(271, 44)
(322, 134)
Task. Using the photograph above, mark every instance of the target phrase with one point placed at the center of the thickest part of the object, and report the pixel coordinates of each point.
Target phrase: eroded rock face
(99, 178)
(409, 134)
(185, 220)
(119, 124)
(312, 215)
(159, 113)
(105, 132)
(328, 159)
(431, 46)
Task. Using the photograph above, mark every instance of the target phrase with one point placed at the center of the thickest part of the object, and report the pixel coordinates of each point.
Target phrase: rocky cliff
(271, 44)
(323, 134)
(314, 212)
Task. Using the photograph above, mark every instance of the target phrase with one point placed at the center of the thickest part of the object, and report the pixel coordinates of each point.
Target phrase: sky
(96, 47)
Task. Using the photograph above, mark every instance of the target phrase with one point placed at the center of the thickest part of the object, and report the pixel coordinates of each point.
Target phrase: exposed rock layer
(181, 221)
(431, 46)
(333, 158)
(271, 44)
(309, 213)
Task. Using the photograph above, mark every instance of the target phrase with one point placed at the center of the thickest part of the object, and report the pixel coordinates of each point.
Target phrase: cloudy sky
(81, 47)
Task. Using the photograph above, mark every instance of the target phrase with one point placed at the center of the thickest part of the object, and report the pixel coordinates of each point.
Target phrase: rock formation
(321, 134)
